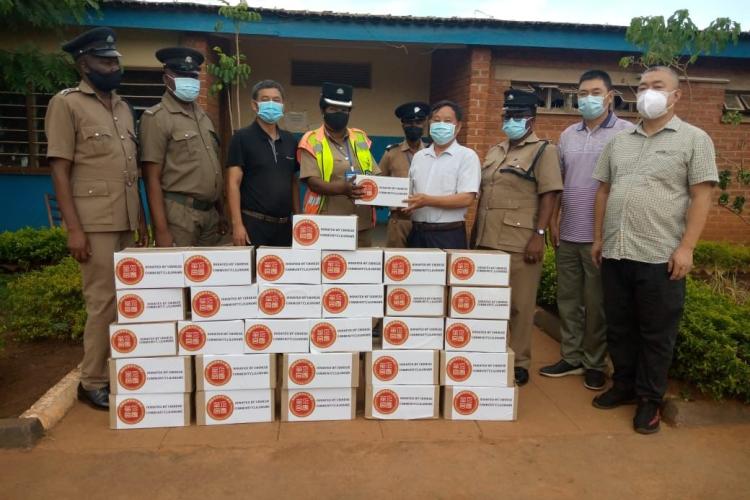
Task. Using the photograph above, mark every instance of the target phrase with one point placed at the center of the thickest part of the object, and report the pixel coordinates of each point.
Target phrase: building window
(737, 101)
(563, 97)
(22, 141)
(315, 73)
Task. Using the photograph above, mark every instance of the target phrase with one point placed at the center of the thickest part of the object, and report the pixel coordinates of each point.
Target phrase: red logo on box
(399, 299)
(396, 332)
(130, 306)
(218, 372)
(270, 267)
(198, 268)
(397, 268)
(385, 368)
(335, 300)
(458, 335)
(129, 271)
(206, 304)
(192, 337)
(124, 341)
(464, 302)
(131, 377)
(131, 411)
(302, 372)
(385, 401)
(258, 337)
(459, 369)
(306, 232)
(271, 301)
(369, 189)
(220, 407)
(302, 404)
(333, 266)
(323, 335)
(465, 402)
(463, 268)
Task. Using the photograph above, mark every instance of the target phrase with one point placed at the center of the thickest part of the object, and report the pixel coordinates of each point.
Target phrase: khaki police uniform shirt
(102, 146)
(395, 163)
(182, 139)
(508, 204)
(340, 205)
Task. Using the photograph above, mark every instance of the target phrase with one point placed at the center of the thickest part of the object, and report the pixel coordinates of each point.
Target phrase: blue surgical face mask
(270, 111)
(591, 106)
(442, 133)
(515, 128)
(186, 89)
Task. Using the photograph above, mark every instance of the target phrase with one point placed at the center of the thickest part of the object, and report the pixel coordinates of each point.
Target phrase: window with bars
(22, 140)
(315, 73)
(563, 97)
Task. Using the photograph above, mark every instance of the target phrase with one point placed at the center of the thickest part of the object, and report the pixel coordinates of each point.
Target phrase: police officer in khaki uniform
(396, 161)
(91, 147)
(520, 183)
(180, 158)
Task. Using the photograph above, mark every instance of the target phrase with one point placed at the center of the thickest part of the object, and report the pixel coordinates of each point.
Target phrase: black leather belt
(189, 201)
(264, 217)
(437, 226)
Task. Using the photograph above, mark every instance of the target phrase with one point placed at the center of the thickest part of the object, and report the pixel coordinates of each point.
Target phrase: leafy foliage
(27, 70)
(546, 294)
(31, 248)
(227, 71)
(44, 14)
(723, 256)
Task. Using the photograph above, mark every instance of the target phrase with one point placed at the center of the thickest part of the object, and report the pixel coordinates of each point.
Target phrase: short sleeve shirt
(456, 170)
(650, 179)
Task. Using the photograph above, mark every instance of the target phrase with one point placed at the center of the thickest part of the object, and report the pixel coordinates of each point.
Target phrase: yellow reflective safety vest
(316, 143)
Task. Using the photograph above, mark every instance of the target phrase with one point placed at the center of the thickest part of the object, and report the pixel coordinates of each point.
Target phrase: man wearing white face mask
(180, 158)
(651, 205)
(583, 346)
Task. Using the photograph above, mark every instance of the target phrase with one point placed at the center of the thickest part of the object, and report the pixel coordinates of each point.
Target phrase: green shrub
(546, 294)
(721, 255)
(30, 248)
(46, 303)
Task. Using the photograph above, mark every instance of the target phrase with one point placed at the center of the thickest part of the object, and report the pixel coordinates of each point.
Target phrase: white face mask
(653, 103)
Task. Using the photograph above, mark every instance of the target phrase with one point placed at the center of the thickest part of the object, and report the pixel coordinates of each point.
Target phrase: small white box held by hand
(382, 191)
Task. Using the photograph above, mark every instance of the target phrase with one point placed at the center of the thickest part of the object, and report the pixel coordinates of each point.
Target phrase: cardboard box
(382, 191)
(316, 370)
(341, 335)
(415, 300)
(234, 407)
(414, 266)
(352, 301)
(231, 372)
(480, 302)
(412, 333)
(289, 301)
(218, 266)
(140, 340)
(402, 402)
(151, 375)
(352, 266)
(299, 405)
(144, 411)
(485, 369)
(477, 335)
(478, 267)
(277, 335)
(217, 303)
(287, 265)
(324, 232)
(480, 403)
(402, 367)
(148, 268)
(211, 337)
(150, 305)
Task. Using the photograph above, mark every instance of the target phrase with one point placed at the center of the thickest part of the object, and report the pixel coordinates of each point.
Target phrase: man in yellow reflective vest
(330, 156)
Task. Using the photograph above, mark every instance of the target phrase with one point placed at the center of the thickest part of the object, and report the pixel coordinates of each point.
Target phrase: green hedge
(723, 256)
(546, 295)
(30, 248)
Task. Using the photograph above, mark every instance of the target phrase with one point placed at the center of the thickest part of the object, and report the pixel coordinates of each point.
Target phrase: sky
(570, 11)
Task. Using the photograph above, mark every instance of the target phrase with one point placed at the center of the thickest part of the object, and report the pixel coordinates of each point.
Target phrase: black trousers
(263, 233)
(450, 239)
(643, 308)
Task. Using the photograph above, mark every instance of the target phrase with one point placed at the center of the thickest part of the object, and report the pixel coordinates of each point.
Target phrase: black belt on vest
(264, 217)
(189, 201)
(437, 226)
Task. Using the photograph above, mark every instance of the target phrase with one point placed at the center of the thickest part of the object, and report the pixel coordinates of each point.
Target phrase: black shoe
(613, 398)
(561, 369)
(521, 376)
(96, 398)
(594, 380)
(647, 417)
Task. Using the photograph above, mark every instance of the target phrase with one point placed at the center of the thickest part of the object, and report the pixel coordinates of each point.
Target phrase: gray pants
(579, 299)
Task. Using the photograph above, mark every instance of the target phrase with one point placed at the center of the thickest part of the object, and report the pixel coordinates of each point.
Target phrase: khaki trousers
(524, 281)
(99, 293)
(191, 227)
(398, 231)
(364, 238)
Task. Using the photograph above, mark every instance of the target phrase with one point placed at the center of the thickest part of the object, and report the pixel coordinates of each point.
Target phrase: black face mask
(336, 121)
(413, 133)
(105, 82)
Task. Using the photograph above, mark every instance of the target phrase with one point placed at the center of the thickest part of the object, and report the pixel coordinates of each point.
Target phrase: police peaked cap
(181, 59)
(98, 41)
(520, 100)
(416, 110)
(336, 94)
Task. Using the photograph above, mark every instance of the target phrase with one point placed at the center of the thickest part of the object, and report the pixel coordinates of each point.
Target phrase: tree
(19, 14)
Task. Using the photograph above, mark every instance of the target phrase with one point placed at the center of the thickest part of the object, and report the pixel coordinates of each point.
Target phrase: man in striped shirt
(583, 345)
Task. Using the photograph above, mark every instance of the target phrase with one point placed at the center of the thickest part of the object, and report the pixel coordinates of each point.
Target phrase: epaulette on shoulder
(70, 90)
(391, 146)
(153, 109)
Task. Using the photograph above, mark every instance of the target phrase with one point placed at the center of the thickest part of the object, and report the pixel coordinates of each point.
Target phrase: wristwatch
(540, 232)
